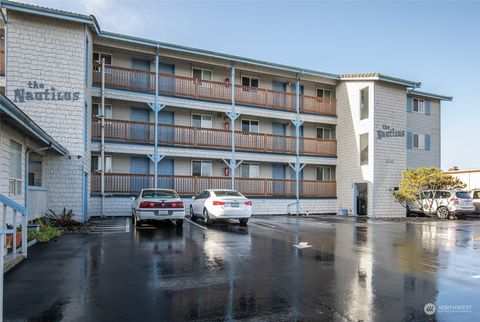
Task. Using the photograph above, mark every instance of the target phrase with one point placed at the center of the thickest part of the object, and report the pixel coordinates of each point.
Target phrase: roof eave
(431, 95)
(35, 131)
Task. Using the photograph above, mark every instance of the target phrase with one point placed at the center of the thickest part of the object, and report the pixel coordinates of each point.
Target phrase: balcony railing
(2, 63)
(144, 81)
(187, 136)
(128, 184)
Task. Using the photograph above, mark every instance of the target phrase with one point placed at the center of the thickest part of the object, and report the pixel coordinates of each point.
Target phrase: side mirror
(132, 198)
(193, 197)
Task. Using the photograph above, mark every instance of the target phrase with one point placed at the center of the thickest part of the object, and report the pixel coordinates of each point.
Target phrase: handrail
(181, 135)
(127, 183)
(143, 81)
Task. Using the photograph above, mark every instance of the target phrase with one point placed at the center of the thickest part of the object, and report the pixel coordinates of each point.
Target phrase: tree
(422, 184)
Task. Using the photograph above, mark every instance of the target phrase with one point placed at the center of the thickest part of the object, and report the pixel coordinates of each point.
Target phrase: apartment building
(347, 136)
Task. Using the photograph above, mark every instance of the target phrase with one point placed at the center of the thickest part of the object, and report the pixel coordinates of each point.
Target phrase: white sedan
(221, 204)
(157, 204)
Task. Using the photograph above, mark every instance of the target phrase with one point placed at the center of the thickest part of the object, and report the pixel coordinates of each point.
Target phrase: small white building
(358, 131)
(469, 177)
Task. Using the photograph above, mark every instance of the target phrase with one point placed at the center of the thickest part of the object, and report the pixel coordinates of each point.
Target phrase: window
(202, 168)
(159, 194)
(97, 108)
(15, 186)
(199, 120)
(250, 170)
(97, 59)
(249, 81)
(476, 194)
(418, 141)
(203, 195)
(442, 195)
(227, 193)
(324, 93)
(415, 140)
(202, 74)
(35, 169)
(250, 126)
(325, 174)
(418, 105)
(96, 166)
(364, 103)
(364, 149)
(324, 133)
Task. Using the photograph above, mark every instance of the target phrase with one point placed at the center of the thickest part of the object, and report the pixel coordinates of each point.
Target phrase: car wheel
(179, 223)
(442, 212)
(192, 214)
(243, 222)
(206, 218)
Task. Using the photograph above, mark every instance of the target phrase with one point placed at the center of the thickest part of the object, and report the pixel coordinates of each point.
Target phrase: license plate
(234, 205)
(160, 212)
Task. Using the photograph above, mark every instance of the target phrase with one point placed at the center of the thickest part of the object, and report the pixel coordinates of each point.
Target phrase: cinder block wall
(121, 206)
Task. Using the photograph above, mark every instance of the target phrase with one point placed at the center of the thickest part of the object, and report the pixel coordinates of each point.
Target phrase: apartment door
(140, 132)
(141, 78)
(167, 133)
(139, 167)
(167, 82)
(279, 96)
(278, 176)
(279, 143)
(361, 199)
(293, 186)
(293, 132)
(165, 172)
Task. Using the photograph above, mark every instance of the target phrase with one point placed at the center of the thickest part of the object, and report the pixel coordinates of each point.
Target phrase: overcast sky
(436, 43)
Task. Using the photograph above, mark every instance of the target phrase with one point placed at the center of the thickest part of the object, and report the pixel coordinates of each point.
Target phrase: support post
(102, 141)
(155, 149)
(233, 116)
(297, 124)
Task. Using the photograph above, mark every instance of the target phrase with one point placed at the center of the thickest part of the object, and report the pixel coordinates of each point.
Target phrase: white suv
(445, 203)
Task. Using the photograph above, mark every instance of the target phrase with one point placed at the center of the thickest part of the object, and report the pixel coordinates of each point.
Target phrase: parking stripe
(194, 223)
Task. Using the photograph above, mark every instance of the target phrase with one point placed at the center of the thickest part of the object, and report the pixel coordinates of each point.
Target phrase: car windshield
(227, 193)
(159, 194)
(462, 195)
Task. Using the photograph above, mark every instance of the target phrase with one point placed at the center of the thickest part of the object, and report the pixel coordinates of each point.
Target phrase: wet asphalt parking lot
(353, 270)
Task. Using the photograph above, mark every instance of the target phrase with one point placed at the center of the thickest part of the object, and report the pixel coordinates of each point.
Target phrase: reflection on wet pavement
(355, 270)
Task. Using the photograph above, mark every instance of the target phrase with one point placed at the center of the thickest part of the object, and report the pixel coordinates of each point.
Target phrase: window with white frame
(364, 103)
(418, 141)
(364, 149)
(324, 133)
(202, 168)
(97, 60)
(324, 93)
(15, 186)
(201, 120)
(97, 108)
(202, 74)
(325, 173)
(250, 81)
(96, 166)
(250, 126)
(250, 170)
(419, 105)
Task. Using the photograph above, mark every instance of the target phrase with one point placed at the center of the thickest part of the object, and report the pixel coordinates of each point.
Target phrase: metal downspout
(156, 111)
(102, 142)
(233, 117)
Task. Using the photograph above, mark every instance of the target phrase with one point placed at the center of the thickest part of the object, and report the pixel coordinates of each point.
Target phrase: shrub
(63, 219)
(44, 233)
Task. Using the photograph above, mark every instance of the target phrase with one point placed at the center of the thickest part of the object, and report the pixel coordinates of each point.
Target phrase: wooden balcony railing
(128, 184)
(143, 81)
(2, 63)
(187, 136)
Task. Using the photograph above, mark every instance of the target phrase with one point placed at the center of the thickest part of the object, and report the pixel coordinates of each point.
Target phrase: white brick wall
(121, 206)
(52, 52)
